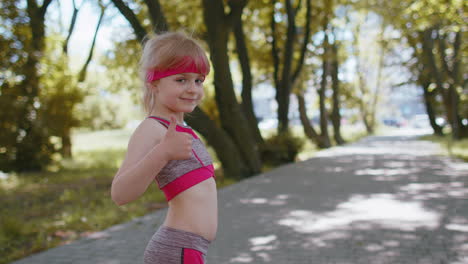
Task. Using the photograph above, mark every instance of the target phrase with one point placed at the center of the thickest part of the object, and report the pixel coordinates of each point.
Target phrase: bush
(104, 111)
(280, 149)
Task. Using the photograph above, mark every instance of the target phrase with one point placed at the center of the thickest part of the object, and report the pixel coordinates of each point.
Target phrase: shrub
(280, 149)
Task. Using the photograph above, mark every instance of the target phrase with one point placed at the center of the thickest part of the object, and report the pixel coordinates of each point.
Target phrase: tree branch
(298, 7)
(43, 8)
(157, 16)
(71, 28)
(289, 46)
(274, 48)
(138, 29)
(236, 11)
(304, 42)
(442, 53)
(82, 75)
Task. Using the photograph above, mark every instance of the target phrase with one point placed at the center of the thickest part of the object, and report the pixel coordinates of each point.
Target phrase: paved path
(382, 200)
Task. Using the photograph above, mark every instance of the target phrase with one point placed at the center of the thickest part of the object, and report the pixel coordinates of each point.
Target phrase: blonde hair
(166, 51)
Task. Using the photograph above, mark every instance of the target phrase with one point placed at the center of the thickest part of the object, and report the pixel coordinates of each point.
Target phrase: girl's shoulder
(148, 132)
(144, 138)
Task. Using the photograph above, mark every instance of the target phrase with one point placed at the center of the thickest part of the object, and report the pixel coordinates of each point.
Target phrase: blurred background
(288, 78)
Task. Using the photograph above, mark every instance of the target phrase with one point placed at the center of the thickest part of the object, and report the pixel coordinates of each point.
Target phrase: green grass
(72, 199)
(458, 148)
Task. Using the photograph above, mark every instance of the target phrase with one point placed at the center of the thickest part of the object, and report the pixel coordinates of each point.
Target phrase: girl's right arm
(143, 161)
(150, 148)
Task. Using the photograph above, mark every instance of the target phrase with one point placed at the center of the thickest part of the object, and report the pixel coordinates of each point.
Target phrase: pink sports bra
(179, 175)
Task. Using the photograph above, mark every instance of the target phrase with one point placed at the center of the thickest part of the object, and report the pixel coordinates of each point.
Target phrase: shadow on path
(382, 200)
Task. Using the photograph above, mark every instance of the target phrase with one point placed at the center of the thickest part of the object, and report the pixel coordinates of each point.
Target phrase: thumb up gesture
(177, 145)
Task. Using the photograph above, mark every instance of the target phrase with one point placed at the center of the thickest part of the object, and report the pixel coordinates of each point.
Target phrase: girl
(164, 150)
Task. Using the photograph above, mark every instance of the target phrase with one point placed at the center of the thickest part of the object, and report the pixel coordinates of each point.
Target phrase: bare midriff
(195, 210)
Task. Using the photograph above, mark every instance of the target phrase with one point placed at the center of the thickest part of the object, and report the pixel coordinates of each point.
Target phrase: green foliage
(191, 22)
(105, 111)
(122, 73)
(24, 143)
(60, 93)
(47, 209)
(37, 97)
(430, 29)
(281, 148)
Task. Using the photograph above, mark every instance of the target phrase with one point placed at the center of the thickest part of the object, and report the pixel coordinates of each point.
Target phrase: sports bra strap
(160, 120)
(179, 128)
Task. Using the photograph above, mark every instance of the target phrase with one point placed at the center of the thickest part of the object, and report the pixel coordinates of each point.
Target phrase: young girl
(164, 150)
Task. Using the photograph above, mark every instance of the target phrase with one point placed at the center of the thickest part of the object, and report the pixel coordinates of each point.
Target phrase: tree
(232, 142)
(434, 31)
(335, 115)
(39, 111)
(219, 26)
(285, 79)
(247, 83)
(25, 144)
(328, 70)
(365, 96)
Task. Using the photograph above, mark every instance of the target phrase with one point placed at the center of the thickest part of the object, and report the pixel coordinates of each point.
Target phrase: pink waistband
(187, 180)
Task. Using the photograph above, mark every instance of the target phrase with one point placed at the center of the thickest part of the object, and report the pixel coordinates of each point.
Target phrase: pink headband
(187, 65)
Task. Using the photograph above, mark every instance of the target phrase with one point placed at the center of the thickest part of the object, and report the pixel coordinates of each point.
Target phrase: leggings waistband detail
(180, 238)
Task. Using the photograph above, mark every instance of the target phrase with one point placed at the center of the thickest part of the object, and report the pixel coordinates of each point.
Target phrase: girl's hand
(176, 145)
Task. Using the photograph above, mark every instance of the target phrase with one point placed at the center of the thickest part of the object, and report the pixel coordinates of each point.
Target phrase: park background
(288, 78)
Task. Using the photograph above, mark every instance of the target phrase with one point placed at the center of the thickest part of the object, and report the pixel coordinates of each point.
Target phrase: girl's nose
(192, 87)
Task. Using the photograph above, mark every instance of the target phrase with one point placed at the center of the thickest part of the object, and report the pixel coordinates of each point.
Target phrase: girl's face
(180, 93)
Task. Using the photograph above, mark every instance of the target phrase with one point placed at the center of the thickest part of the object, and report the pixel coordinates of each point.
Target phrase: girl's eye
(180, 80)
(199, 81)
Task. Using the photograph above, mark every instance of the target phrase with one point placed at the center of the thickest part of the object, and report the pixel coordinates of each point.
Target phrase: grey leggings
(174, 246)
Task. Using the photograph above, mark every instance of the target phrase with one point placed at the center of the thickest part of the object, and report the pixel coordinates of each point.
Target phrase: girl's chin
(185, 109)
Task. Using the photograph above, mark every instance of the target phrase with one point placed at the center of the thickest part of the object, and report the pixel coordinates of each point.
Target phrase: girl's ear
(153, 86)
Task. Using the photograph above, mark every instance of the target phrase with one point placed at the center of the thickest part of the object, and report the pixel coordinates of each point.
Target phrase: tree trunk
(375, 97)
(309, 130)
(66, 144)
(158, 20)
(232, 120)
(247, 104)
(222, 143)
(284, 83)
(35, 139)
(428, 102)
(428, 49)
(363, 107)
(274, 48)
(454, 77)
(336, 116)
(425, 80)
(284, 89)
(362, 88)
(322, 95)
(305, 42)
(445, 76)
(365, 119)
